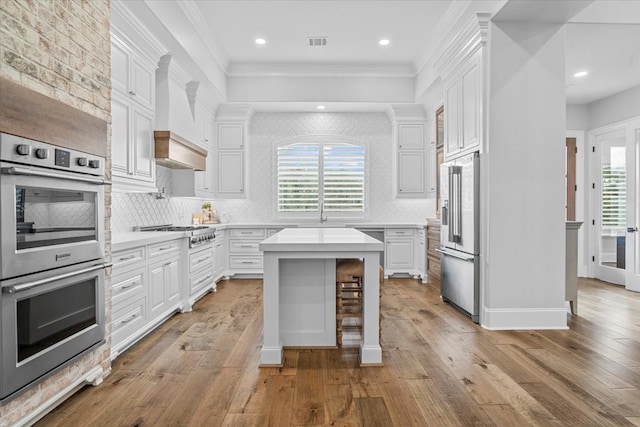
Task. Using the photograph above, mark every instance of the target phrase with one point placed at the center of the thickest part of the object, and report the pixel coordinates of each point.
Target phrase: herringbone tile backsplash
(265, 131)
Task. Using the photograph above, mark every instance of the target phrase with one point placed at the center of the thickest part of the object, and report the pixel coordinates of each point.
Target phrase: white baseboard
(524, 318)
(93, 377)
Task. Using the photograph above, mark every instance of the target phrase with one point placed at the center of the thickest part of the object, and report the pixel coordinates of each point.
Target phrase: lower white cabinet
(400, 252)
(146, 288)
(164, 286)
(244, 254)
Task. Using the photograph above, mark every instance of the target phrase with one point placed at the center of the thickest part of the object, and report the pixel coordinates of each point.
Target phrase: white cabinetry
(146, 289)
(461, 69)
(421, 254)
(132, 105)
(399, 251)
(432, 171)
(244, 254)
(221, 254)
(164, 278)
(231, 151)
(410, 152)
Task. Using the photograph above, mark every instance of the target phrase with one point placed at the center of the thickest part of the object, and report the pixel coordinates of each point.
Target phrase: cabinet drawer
(421, 232)
(201, 280)
(128, 320)
(201, 259)
(399, 232)
(244, 246)
(127, 285)
(245, 263)
(220, 234)
(122, 259)
(253, 232)
(164, 248)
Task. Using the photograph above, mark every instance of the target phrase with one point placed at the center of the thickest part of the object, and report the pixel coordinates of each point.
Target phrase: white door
(632, 247)
(610, 173)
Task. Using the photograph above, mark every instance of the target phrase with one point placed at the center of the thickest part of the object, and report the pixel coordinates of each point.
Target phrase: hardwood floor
(201, 369)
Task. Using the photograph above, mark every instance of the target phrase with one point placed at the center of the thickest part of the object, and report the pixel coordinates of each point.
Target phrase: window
(614, 189)
(313, 173)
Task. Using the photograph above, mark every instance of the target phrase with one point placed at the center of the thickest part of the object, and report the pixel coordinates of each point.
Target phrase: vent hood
(175, 152)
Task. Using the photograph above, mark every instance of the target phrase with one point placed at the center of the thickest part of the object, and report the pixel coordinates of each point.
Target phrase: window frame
(321, 140)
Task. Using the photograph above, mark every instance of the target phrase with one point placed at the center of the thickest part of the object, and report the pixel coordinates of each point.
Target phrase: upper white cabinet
(410, 175)
(231, 151)
(461, 69)
(132, 106)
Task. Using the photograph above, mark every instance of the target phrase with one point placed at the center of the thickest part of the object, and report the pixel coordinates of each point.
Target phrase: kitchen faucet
(323, 218)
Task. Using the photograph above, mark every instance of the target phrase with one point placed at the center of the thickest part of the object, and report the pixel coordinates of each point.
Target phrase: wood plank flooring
(201, 369)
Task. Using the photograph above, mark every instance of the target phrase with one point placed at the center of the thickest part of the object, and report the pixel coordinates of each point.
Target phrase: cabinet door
(221, 258)
(120, 136)
(411, 174)
(432, 176)
(399, 254)
(157, 289)
(230, 174)
(142, 83)
(119, 68)
(172, 281)
(144, 161)
(470, 106)
(410, 136)
(230, 136)
(451, 121)
(205, 179)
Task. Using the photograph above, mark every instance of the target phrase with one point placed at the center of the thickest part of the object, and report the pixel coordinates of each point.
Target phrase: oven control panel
(16, 149)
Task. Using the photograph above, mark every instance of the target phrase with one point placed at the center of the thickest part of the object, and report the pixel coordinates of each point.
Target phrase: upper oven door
(48, 219)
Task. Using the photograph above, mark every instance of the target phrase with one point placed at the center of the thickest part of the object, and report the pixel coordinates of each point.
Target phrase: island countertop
(320, 239)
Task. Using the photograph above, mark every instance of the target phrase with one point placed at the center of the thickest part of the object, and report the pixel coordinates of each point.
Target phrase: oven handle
(30, 285)
(14, 170)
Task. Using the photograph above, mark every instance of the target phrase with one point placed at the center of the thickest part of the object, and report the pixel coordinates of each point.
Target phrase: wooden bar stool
(349, 274)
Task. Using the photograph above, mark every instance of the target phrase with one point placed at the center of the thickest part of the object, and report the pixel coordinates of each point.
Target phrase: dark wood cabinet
(433, 241)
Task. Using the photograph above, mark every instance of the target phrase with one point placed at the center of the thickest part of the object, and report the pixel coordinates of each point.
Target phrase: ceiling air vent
(317, 41)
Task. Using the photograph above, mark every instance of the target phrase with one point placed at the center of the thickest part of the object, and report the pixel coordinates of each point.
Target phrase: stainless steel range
(198, 234)
(52, 259)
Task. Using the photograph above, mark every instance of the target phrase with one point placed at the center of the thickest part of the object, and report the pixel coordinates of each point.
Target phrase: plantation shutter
(314, 173)
(614, 196)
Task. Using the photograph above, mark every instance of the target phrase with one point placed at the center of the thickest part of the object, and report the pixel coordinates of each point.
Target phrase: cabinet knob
(132, 93)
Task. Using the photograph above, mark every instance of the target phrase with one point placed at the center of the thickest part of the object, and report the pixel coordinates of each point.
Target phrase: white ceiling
(611, 53)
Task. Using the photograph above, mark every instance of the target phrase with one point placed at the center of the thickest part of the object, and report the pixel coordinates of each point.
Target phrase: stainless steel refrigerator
(459, 238)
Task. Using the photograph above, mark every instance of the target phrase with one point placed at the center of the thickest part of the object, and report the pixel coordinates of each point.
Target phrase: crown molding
(472, 37)
(407, 112)
(129, 29)
(300, 69)
(192, 11)
(234, 112)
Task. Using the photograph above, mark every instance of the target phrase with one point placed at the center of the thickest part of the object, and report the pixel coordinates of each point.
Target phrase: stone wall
(60, 48)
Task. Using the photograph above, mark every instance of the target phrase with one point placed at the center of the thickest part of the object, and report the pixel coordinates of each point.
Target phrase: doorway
(615, 211)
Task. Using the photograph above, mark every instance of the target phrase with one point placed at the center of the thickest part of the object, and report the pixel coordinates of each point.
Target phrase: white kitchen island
(300, 290)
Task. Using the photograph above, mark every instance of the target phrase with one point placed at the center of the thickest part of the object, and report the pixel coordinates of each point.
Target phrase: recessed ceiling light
(581, 74)
(383, 42)
(261, 41)
(320, 107)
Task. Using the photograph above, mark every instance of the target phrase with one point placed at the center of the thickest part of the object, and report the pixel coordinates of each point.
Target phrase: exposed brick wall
(60, 48)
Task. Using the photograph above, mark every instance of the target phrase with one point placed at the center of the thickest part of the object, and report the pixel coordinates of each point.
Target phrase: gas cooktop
(169, 227)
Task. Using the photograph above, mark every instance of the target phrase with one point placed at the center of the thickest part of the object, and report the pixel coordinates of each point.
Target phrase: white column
(271, 353)
(522, 167)
(370, 351)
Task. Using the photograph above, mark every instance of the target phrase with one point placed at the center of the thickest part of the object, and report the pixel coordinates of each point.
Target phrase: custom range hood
(175, 152)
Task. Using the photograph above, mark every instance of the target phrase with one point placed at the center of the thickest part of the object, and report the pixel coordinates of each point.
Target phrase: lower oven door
(48, 219)
(47, 321)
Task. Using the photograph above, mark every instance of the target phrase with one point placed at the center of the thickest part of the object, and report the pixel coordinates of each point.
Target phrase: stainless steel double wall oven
(52, 259)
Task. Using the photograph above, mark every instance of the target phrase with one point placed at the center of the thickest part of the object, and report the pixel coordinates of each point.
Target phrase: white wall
(523, 227)
(577, 116)
(615, 108)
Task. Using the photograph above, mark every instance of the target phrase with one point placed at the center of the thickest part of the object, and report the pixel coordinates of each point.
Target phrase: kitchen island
(300, 291)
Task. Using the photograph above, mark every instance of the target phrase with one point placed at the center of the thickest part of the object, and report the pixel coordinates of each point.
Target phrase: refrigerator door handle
(452, 205)
(455, 185)
(447, 253)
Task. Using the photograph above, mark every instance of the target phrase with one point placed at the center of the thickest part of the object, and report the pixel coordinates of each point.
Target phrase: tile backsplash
(265, 131)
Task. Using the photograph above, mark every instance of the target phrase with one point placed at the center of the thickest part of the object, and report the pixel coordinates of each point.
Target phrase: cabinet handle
(125, 258)
(198, 261)
(246, 262)
(246, 246)
(133, 316)
(130, 285)
(164, 248)
(132, 93)
(206, 278)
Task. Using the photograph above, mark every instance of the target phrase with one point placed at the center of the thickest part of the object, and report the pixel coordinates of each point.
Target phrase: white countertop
(320, 239)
